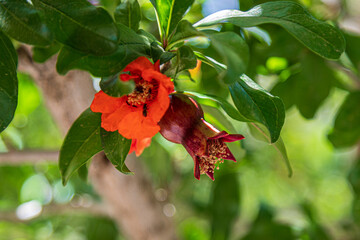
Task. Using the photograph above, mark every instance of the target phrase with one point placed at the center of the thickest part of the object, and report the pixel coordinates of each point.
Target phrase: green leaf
(259, 132)
(352, 49)
(128, 13)
(116, 148)
(219, 67)
(224, 206)
(98, 66)
(260, 34)
(158, 53)
(8, 81)
(217, 118)
(169, 13)
(112, 86)
(234, 53)
(80, 144)
(186, 59)
(214, 101)
(320, 37)
(83, 172)
(80, 25)
(346, 130)
(258, 105)
(22, 21)
(183, 31)
(306, 89)
(41, 54)
(132, 46)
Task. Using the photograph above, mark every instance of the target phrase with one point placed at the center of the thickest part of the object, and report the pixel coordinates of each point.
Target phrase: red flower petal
(139, 65)
(135, 125)
(138, 145)
(157, 108)
(104, 103)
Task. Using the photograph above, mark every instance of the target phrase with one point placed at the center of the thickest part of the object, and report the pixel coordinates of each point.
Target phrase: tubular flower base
(184, 123)
(136, 115)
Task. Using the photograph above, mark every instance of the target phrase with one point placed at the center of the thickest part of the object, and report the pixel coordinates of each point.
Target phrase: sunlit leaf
(169, 13)
(258, 105)
(320, 37)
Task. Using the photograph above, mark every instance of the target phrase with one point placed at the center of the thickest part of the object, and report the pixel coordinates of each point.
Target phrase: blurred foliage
(251, 199)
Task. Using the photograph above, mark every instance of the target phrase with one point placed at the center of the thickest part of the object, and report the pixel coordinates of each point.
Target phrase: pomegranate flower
(184, 123)
(136, 115)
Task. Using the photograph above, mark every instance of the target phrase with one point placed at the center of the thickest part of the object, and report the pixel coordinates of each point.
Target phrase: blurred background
(251, 199)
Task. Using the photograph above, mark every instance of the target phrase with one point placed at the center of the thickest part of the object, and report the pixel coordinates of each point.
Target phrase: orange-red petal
(127, 77)
(138, 145)
(162, 79)
(135, 125)
(110, 121)
(139, 65)
(104, 103)
(157, 108)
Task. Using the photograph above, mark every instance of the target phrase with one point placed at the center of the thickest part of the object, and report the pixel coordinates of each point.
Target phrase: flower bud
(184, 123)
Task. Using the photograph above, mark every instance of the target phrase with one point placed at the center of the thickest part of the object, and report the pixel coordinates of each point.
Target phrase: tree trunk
(130, 199)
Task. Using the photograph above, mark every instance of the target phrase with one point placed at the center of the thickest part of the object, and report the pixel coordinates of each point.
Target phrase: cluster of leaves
(87, 37)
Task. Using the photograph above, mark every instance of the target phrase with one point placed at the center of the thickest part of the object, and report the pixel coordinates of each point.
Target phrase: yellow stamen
(141, 94)
(215, 148)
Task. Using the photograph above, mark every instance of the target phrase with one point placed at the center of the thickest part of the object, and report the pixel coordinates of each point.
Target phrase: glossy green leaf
(217, 118)
(132, 46)
(258, 105)
(234, 53)
(346, 130)
(22, 21)
(320, 37)
(186, 59)
(99, 66)
(219, 67)
(260, 34)
(116, 148)
(41, 54)
(8, 81)
(169, 13)
(80, 25)
(112, 86)
(225, 205)
(260, 132)
(214, 101)
(183, 31)
(80, 144)
(128, 13)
